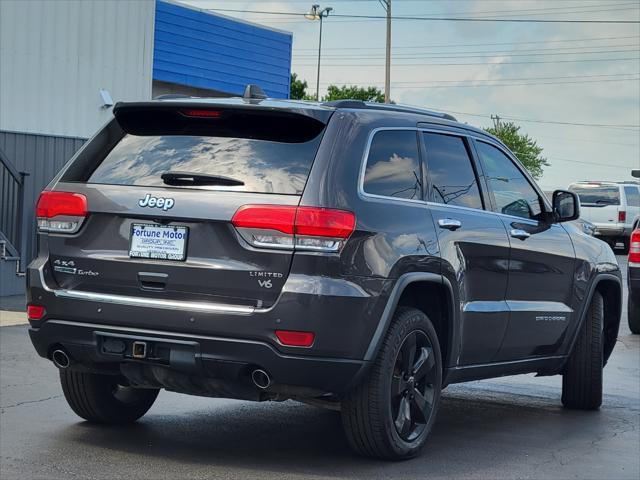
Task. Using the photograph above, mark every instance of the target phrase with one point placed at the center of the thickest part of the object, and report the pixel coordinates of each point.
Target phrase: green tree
(298, 89)
(346, 92)
(523, 146)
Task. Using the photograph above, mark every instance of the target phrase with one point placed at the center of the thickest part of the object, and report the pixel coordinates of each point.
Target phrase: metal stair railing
(12, 191)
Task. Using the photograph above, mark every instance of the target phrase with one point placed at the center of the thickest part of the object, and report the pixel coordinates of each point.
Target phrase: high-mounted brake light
(191, 112)
(61, 212)
(290, 338)
(622, 216)
(634, 247)
(287, 227)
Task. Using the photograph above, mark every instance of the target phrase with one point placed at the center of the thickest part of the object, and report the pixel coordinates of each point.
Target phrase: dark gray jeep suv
(352, 255)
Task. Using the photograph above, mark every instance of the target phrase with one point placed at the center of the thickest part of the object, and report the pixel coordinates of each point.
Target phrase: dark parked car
(359, 256)
(633, 278)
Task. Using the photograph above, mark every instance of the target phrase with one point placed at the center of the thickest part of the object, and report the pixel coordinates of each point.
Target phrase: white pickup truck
(613, 207)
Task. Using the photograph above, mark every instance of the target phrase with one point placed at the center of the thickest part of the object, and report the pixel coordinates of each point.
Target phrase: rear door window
(633, 196)
(393, 165)
(453, 179)
(597, 195)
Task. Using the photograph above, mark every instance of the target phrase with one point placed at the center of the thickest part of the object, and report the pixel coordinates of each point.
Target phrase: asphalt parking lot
(513, 427)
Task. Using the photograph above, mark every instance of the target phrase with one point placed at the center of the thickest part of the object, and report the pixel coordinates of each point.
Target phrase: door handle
(520, 234)
(449, 223)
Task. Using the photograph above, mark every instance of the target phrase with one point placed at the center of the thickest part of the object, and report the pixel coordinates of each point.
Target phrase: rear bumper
(608, 231)
(194, 356)
(225, 340)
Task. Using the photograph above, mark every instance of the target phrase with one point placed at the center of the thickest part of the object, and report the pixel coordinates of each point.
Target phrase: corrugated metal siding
(204, 50)
(41, 156)
(55, 56)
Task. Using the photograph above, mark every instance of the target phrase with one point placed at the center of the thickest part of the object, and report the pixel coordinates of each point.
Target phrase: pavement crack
(19, 404)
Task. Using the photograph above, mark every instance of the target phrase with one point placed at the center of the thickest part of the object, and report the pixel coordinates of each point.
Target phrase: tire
(379, 420)
(582, 377)
(625, 245)
(633, 313)
(100, 399)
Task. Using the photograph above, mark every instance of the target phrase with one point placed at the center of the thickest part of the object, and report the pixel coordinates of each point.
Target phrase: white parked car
(613, 207)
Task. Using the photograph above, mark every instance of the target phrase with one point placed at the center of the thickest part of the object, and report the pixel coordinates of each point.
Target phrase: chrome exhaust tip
(60, 359)
(261, 379)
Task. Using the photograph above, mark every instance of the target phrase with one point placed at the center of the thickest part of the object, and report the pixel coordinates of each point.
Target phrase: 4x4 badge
(157, 202)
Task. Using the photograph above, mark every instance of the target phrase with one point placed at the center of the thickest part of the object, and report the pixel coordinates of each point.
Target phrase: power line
(492, 54)
(591, 39)
(566, 50)
(437, 19)
(513, 84)
(529, 120)
(343, 65)
(500, 79)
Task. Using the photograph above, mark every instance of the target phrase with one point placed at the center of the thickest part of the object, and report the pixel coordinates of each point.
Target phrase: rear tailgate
(245, 155)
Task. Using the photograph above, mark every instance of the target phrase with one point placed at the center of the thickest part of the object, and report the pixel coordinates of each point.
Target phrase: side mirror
(566, 206)
(635, 173)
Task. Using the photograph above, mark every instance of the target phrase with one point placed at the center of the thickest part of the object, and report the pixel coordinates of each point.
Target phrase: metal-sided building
(64, 63)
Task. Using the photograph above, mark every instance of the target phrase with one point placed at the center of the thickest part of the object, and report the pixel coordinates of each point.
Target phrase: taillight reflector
(290, 338)
(634, 247)
(35, 312)
(52, 204)
(622, 216)
(284, 226)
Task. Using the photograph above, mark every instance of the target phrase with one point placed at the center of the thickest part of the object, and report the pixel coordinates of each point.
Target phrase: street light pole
(316, 14)
(319, 53)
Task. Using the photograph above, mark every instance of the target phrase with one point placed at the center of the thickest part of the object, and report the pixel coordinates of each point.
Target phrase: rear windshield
(263, 166)
(597, 195)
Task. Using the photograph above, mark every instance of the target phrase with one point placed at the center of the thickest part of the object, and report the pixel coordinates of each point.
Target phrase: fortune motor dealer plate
(158, 241)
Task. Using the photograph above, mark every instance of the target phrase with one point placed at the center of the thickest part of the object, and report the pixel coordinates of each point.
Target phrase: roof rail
(394, 107)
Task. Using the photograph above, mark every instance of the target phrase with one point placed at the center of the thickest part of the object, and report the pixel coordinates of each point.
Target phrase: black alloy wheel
(412, 386)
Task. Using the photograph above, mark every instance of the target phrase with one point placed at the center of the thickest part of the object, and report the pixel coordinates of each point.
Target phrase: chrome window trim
(383, 198)
(363, 167)
(443, 131)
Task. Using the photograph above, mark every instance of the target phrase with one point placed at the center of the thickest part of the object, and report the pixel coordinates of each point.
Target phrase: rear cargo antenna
(254, 92)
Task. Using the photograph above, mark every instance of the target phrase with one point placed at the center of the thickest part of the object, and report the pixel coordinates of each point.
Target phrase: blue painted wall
(204, 50)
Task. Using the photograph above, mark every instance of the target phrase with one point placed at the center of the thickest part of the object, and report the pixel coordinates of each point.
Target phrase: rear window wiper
(193, 178)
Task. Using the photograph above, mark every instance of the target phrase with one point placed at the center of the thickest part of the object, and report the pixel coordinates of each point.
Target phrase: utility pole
(387, 65)
(496, 122)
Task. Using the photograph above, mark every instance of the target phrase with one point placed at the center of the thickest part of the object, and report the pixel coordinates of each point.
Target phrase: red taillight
(295, 339)
(622, 216)
(634, 247)
(324, 222)
(267, 217)
(71, 206)
(35, 312)
(201, 113)
(305, 228)
(52, 204)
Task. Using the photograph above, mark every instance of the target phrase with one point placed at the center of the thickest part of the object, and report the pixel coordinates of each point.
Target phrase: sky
(535, 73)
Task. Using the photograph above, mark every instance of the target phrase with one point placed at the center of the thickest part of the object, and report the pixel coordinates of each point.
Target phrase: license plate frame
(165, 248)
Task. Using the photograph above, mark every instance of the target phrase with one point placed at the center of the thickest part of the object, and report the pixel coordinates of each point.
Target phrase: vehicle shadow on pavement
(472, 437)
